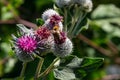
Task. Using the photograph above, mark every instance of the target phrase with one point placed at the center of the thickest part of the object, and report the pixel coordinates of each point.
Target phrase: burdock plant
(60, 25)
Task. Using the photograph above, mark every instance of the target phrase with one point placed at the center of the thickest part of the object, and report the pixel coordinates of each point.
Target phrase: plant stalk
(49, 68)
(79, 21)
(65, 16)
(74, 20)
(39, 68)
(23, 70)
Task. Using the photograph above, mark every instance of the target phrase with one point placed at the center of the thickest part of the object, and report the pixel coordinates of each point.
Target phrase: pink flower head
(44, 39)
(55, 19)
(43, 33)
(27, 43)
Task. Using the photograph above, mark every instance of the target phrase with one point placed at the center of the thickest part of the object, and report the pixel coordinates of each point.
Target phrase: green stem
(23, 70)
(80, 19)
(65, 16)
(49, 68)
(74, 19)
(78, 24)
(72, 26)
(39, 68)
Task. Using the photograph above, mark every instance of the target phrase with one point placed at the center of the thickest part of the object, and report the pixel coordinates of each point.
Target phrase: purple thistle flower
(27, 43)
(24, 46)
(44, 39)
(43, 33)
(55, 19)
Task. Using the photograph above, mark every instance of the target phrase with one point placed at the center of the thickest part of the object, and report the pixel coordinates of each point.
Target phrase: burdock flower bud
(53, 21)
(63, 3)
(44, 39)
(48, 13)
(24, 47)
(85, 4)
(42, 33)
(63, 45)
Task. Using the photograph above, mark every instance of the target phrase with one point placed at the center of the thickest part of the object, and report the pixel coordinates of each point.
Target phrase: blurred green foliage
(104, 27)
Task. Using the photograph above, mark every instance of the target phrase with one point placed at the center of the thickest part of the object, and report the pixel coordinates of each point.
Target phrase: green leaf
(108, 20)
(67, 61)
(50, 76)
(110, 26)
(91, 64)
(75, 62)
(39, 22)
(6, 14)
(64, 74)
(73, 67)
(55, 7)
(106, 11)
(10, 65)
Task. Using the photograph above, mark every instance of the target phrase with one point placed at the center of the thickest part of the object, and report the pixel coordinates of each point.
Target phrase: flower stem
(39, 68)
(82, 16)
(65, 16)
(23, 70)
(49, 68)
(74, 20)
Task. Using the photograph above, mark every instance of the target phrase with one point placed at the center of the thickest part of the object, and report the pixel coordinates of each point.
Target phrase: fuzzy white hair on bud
(48, 13)
(45, 45)
(24, 56)
(64, 49)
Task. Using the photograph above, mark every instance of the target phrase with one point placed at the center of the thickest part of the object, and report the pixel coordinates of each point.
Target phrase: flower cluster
(49, 37)
(86, 5)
